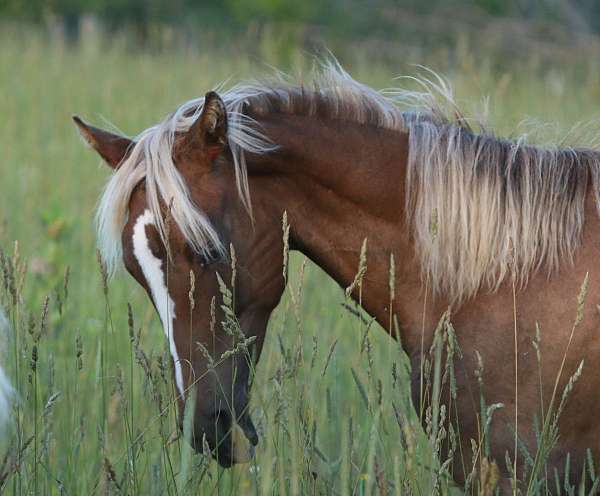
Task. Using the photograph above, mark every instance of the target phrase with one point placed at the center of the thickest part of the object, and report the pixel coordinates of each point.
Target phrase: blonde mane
(480, 207)
(151, 157)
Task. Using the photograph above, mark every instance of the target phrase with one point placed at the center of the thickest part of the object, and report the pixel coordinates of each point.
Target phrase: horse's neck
(342, 183)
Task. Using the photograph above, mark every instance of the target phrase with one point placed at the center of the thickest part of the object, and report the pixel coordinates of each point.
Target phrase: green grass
(88, 418)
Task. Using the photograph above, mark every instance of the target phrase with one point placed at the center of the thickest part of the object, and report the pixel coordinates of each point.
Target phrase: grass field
(89, 417)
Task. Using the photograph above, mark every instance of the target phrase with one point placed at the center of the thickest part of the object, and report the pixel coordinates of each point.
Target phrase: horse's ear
(210, 128)
(111, 147)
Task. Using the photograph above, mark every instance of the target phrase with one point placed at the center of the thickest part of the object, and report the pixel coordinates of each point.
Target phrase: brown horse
(492, 228)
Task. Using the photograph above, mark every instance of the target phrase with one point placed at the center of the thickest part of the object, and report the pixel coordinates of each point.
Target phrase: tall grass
(94, 408)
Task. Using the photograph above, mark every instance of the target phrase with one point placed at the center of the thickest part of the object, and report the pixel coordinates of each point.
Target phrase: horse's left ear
(210, 128)
(111, 147)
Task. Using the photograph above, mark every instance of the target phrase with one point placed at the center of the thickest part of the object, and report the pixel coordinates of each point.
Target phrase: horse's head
(176, 208)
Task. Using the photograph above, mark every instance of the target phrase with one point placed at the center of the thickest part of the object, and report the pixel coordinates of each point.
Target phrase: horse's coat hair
(480, 207)
(156, 280)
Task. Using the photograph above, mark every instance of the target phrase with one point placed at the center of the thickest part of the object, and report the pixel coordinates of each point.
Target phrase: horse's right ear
(111, 147)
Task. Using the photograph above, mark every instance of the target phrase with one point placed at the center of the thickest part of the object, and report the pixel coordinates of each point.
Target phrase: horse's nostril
(219, 417)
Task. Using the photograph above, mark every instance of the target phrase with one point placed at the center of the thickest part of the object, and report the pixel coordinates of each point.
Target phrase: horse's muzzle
(231, 442)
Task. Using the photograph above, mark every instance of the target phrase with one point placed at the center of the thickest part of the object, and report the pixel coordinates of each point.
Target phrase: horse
(501, 232)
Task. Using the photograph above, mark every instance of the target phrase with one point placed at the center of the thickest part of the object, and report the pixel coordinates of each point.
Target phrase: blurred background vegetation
(505, 30)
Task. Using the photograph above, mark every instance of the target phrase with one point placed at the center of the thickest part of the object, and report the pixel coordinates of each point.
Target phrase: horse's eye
(209, 257)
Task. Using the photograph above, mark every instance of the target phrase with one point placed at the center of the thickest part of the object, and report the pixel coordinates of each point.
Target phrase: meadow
(95, 410)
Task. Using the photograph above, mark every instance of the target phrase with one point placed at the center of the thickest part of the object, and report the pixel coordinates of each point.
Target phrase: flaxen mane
(481, 207)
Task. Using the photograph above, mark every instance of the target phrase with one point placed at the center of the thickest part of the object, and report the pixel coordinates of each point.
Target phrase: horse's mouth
(242, 444)
(239, 445)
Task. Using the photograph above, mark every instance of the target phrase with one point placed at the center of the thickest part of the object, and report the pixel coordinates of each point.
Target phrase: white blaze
(155, 278)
